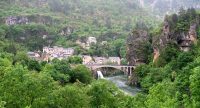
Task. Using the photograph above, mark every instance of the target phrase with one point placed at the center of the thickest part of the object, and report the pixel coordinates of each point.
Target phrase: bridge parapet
(126, 69)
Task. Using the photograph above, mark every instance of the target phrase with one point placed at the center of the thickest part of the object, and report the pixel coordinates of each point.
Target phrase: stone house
(109, 60)
(114, 60)
(34, 55)
(99, 60)
(87, 59)
(57, 52)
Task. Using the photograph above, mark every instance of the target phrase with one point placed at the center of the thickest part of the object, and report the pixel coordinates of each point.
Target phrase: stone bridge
(126, 69)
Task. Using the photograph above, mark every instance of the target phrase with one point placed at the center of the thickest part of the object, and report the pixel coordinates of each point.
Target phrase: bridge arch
(126, 69)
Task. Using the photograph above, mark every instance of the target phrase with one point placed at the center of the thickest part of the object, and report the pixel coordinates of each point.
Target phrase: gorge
(70, 43)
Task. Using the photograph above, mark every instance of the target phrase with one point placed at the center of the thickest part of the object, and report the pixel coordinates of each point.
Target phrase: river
(120, 82)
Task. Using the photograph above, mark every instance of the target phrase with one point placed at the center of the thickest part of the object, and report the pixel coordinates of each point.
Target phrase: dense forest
(109, 21)
(169, 80)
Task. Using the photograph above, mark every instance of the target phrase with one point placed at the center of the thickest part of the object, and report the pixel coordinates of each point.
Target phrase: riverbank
(120, 81)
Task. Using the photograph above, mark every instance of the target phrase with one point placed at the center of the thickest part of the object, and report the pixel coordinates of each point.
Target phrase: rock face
(67, 31)
(42, 19)
(159, 42)
(184, 39)
(12, 20)
(136, 50)
(136, 46)
(188, 39)
(165, 6)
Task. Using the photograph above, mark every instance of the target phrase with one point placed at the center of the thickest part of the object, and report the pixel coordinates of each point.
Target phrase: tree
(2, 104)
(70, 96)
(25, 88)
(5, 65)
(21, 57)
(75, 60)
(183, 59)
(34, 65)
(2, 33)
(153, 76)
(118, 47)
(104, 95)
(81, 73)
(59, 71)
(162, 95)
(194, 87)
(11, 48)
(167, 54)
(135, 102)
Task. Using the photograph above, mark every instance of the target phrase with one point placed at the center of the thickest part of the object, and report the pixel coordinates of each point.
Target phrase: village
(56, 52)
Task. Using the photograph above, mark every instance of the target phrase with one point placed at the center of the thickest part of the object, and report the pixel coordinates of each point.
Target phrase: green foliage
(2, 104)
(162, 95)
(181, 22)
(171, 82)
(75, 60)
(50, 17)
(71, 96)
(104, 95)
(29, 89)
(136, 101)
(167, 54)
(34, 65)
(194, 82)
(59, 70)
(25, 88)
(124, 61)
(153, 76)
(81, 73)
(183, 59)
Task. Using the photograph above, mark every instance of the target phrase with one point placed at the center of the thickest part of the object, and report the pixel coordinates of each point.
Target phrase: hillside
(69, 23)
(63, 22)
(162, 7)
(164, 57)
(169, 75)
(88, 17)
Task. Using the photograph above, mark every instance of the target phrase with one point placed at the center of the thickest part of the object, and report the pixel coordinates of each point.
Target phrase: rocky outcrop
(193, 33)
(12, 20)
(159, 42)
(136, 47)
(190, 38)
(184, 39)
(168, 6)
(66, 31)
(42, 19)
(47, 20)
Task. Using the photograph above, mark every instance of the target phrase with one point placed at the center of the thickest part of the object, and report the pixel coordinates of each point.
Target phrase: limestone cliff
(137, 44)
(159, 42)
(178, 29)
